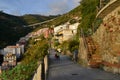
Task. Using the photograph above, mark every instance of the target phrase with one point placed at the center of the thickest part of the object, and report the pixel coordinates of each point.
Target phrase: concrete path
(65, 69)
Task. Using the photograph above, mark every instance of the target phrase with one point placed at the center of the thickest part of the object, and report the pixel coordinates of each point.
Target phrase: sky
(43, 7)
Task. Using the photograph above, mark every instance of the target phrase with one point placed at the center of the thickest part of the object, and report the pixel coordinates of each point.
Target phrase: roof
(12, 46)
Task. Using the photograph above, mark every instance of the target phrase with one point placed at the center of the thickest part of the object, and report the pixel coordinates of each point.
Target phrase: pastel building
(13, 49)
(65, 32)
(48, 33)
(22, 48)
(11, 59)
(22, 41)
(40, 32)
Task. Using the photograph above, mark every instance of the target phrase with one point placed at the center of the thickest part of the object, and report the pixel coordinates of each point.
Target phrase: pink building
(48, 32)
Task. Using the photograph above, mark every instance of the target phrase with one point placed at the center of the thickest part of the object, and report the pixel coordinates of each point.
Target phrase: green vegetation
(37, 50)
(70, 45)
(88, 14)
(64, 46)
(11, 29)
(97, 23)
(66, 17)
(72, 21)
(63, 18)
(31, 19)
(73, 44)
(25, 70)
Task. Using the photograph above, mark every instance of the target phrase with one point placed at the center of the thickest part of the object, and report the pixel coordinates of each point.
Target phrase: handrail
(84, 40)
(107, 5)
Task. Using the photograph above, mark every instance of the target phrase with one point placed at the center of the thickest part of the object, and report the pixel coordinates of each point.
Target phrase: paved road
(65, 69)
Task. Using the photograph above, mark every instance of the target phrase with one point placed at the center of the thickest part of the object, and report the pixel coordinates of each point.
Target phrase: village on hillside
(11, 54)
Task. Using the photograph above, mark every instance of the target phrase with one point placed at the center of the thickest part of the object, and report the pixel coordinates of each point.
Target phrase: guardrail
(107, 9)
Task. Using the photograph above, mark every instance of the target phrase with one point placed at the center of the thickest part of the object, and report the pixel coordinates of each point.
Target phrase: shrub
(26, 69)
(88, 13)
(73, 45)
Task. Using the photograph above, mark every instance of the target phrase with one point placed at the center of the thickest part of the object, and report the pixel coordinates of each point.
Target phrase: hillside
(67, 17)
(32, 54)
(70, 16)
(99, 41)
(11, 27)
(35, 18)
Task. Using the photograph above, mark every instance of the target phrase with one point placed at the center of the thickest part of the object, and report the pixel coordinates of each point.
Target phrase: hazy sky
(44, 7)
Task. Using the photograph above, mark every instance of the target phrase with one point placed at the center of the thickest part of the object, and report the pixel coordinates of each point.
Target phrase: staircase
(94, 59)
(91, 45)
(89, 50)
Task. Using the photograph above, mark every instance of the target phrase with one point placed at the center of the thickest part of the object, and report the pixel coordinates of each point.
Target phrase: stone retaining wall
(39, 75)
(108, 38)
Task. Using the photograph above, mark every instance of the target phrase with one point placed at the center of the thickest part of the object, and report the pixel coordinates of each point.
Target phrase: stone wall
(46, 66)
(108, 38)
(82, 56)
(40, 75)
(37, 75)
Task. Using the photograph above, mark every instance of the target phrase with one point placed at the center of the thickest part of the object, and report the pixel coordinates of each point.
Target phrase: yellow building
(64, 34)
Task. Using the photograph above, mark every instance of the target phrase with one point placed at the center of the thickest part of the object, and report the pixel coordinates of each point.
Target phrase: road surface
(65, 69)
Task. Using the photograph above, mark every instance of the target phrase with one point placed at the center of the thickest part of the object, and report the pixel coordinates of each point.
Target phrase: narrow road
(65, 69)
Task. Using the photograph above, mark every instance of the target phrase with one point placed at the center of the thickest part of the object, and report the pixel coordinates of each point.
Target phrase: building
(40, 32)
(22, 41)
(10, 60)
(65, 32)
(17, 50)
(22, 48)
(48, 33)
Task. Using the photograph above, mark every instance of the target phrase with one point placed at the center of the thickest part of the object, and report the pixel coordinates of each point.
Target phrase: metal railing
(84, 40)
(108, 5)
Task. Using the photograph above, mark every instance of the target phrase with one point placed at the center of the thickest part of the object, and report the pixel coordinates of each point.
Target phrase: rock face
(108, 38)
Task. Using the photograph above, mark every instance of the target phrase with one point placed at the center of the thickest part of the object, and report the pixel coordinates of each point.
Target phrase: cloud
(3, 6)
(62, 6)
(8, 8)
(76, 2)
(16, 12)
(58, 7)
(45, 7)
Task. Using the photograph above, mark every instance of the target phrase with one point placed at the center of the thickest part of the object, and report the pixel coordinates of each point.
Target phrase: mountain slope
(11, 29)
(61, 19)
(31, 19)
